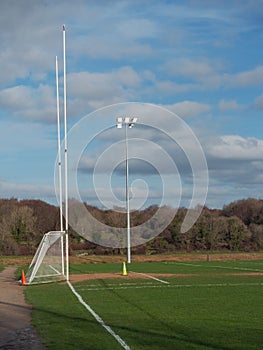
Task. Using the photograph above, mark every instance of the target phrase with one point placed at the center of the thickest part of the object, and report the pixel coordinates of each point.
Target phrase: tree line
(238, 226)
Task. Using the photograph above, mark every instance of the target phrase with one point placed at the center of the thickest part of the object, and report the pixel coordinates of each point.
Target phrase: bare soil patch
(16, 331)
(131, 275)
(181, 257)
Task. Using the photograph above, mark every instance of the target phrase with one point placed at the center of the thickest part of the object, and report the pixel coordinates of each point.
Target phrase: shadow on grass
(182, 335)
(68, 317)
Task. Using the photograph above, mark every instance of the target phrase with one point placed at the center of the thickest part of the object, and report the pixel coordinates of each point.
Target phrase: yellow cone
(124, 271)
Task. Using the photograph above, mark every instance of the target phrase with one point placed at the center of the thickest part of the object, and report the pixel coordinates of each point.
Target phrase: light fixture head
(129, 121)
(119, 122)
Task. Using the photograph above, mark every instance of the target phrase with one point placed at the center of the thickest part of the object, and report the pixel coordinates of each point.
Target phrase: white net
(48, 262)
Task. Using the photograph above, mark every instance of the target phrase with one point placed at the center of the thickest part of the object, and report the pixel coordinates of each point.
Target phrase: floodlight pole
(129, 123)
(128, 198)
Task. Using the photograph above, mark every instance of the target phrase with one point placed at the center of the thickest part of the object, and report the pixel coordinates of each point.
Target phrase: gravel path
(16, 331)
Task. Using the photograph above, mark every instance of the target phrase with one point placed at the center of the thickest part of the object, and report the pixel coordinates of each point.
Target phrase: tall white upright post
(59, 170)
(65, 152)
(129, 123)
(128, 197)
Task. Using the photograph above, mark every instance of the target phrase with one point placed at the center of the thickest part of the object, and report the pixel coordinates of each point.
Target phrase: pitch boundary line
(99, 319)
(122, 287)
(204, 285)
(120, 284)
(152, 277)
(215, 266)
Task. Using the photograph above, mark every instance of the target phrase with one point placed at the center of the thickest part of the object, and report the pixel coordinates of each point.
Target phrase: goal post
(51, 260)
(48, 263)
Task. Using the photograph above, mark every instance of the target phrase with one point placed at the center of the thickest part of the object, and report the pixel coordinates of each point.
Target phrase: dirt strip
(16, 331)
(132, 275)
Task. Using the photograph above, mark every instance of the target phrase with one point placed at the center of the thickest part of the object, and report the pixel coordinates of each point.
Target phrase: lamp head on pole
(119, 123)
(130, 121)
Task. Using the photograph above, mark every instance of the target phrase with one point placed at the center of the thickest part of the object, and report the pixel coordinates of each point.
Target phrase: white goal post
(48, 263)
(51, 260)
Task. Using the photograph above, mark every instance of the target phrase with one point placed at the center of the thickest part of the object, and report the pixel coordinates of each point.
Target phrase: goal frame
(40, 255)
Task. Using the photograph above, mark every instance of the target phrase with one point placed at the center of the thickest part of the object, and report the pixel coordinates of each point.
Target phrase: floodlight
(129, 123)
(119, 122)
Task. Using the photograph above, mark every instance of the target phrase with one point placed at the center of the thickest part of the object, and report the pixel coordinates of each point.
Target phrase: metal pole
(127, 197)
(59, 171)
(59, 150)
(66, 150)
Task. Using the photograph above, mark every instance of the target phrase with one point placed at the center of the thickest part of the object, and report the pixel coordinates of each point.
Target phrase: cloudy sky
(200, 59)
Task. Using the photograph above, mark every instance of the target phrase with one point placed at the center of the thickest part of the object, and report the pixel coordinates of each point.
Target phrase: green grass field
(209, 305)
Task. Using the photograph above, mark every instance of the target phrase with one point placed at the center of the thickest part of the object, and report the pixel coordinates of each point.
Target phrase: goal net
(48, 263)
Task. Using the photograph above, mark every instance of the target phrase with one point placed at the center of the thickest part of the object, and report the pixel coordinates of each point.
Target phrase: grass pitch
(208, 305)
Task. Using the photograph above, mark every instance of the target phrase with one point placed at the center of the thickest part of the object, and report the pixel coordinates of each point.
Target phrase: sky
(191, 71)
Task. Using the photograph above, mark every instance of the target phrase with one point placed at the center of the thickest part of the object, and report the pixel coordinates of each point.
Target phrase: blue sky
(200, 59)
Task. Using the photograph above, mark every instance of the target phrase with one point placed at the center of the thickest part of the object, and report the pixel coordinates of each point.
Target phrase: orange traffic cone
(23, 278)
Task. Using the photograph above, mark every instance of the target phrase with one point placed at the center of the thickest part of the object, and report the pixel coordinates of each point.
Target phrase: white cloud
(235, 168)
(235, 147)
(252, 77)
(86, 91)
(26, 190)
(127, 76)
(258, 102)
(198, 70)
(187, 109)
(169, 87)
(226, 105)
(110, 46)
(26, 102)
(212, 74)
(29, 38)
(90, 91)
(137, 28)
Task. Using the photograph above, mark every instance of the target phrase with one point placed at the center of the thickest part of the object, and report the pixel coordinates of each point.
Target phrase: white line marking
(149, 276)
(116, 284)
(216, 266)
(175, 286)
(128, 287)
(236, 268)
(99, 319)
